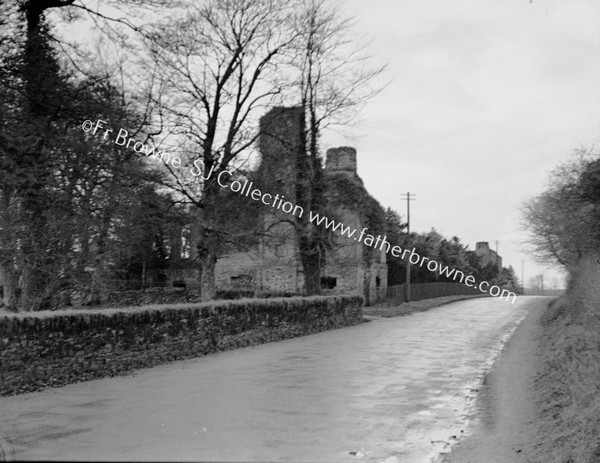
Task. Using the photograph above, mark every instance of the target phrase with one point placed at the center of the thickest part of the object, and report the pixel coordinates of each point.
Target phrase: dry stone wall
(48, 349)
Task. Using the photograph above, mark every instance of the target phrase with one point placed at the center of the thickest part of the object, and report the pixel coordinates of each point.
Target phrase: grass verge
(568, 382)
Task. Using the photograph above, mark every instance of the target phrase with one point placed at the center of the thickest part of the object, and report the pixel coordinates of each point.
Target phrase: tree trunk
(310, 196)
(207, 278)
(367, 285)
(311, 266)
(143, 272)
(40, 75)
(97, 287)
(10, 287)
(29, 288)
(7, 247)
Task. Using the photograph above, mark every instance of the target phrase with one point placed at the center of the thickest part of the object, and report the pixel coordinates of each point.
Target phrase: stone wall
(274, 264)
(341, 159)
(487, 255)
(280, 141)
(150, 296)
(49, 349)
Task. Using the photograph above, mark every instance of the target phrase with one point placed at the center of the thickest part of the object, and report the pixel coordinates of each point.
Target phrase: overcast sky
(485, 97)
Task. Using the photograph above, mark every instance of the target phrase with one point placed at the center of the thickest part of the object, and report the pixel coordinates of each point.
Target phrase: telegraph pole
(409, 197)
(497, 256)
(523, 277)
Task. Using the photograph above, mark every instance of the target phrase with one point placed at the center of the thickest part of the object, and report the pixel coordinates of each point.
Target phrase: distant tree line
(449, 252)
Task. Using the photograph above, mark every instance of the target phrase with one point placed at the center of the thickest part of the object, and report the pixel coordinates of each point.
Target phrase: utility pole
(409, 197)
(497, 256)
(523, 277)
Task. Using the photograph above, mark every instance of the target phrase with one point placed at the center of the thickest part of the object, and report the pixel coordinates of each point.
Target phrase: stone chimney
(341, 159)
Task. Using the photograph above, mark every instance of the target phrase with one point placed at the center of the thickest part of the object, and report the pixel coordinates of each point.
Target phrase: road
(400, 389)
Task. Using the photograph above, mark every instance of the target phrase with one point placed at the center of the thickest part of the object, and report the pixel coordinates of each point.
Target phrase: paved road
(395, 389)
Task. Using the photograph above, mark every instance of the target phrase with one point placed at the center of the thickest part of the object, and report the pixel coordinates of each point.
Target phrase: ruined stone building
(271, 263)
(274, 265)
(487, 255)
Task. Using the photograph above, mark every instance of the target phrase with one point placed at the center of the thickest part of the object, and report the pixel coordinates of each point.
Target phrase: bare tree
(218, 64)
(563, 221)
(45, 167)
(335, 76)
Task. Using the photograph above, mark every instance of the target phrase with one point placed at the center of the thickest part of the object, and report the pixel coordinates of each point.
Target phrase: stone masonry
(274, 264)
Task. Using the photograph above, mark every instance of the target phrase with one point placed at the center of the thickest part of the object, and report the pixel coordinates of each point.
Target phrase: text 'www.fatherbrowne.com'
(414, 257)
(246, 188)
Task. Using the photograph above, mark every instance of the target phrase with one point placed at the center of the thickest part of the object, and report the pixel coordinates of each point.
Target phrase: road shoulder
(505, 428)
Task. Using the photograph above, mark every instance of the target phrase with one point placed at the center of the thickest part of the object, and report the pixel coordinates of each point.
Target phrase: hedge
(158, 295)
(49, 349)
